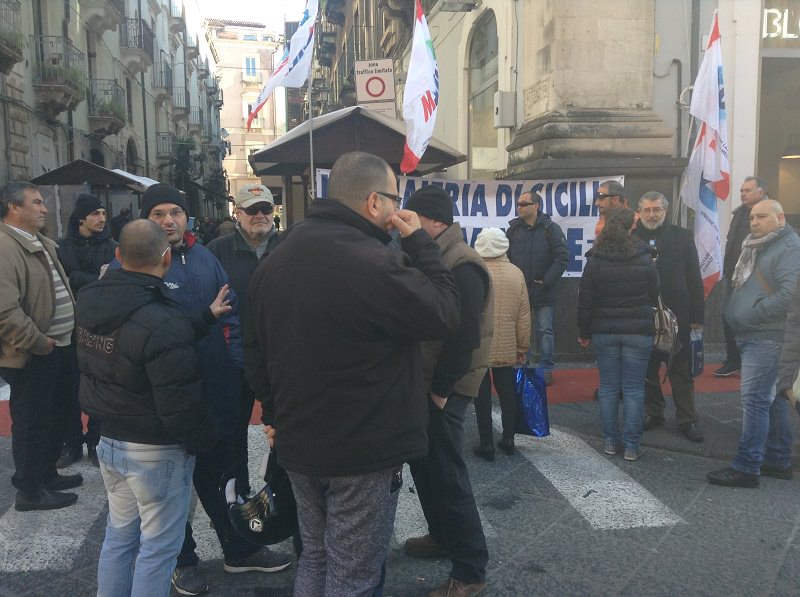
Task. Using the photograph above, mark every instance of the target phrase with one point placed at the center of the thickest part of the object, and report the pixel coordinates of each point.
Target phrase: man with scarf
(763, 282)
(86, 248)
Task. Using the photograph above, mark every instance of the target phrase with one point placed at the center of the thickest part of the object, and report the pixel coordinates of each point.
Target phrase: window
(267, 38)
(250, 37)
(482, 86)
(250, 66)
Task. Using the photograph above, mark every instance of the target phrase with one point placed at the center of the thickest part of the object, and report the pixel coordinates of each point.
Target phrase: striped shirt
(63, 323)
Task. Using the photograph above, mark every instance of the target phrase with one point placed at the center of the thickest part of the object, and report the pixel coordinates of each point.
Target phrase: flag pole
(313, 174)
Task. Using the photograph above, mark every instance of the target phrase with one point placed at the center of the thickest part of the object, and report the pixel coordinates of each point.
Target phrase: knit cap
(432, 202)
(491, 242)
(161, 193)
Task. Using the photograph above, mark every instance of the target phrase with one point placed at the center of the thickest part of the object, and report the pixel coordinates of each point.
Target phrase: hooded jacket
(335, 316)
(140, 372)
(83, 257)
(617, 293)
(540, 251)
(757, 309)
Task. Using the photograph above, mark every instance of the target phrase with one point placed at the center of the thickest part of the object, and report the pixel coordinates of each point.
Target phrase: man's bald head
(141, 245)
(766, 216)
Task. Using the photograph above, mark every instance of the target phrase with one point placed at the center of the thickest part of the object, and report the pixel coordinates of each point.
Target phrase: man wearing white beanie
(510, 342)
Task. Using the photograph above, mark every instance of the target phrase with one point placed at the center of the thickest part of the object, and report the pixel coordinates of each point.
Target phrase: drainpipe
(70, 120)
(144, 102)
(679, 116)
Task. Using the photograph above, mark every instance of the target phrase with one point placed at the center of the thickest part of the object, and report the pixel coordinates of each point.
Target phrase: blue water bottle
(696, 351)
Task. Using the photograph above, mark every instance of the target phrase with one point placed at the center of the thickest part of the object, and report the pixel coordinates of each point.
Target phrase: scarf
(747, 260)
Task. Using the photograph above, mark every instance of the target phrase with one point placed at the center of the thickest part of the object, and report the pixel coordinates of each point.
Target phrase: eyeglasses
(525, 203)
(173, 213)
(164, 252)
(651, 210)
(396, 198)
(604, 196)
(264, 207)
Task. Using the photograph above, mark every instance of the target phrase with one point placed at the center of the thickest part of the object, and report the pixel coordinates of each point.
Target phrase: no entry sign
(374, 80)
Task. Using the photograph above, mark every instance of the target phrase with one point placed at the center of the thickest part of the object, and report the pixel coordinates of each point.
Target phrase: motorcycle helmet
(269, 516)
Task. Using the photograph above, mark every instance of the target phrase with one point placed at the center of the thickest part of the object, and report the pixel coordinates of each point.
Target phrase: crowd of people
(365, 331)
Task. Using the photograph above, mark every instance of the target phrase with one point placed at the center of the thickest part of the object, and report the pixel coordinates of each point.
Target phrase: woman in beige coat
(510, 343)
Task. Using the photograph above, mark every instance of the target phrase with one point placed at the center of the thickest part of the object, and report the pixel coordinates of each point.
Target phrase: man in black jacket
(87, 247)
(339, 370)
(538, 247)
(239, 253)
(682, 291)
(753, 190)
(454, 370)
(140, 377)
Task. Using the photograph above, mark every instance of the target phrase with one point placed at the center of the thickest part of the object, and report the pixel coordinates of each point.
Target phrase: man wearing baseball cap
(240, 253)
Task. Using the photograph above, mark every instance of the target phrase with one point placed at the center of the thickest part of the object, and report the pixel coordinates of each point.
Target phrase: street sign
(389, 108)
(374, 80)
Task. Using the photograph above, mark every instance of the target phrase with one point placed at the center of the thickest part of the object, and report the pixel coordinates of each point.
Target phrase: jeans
(345, 524)
(542, 337)
(445, 492)
(622, 360)
(149, 491)
(503, 378)
(765, 420)
(40, 395)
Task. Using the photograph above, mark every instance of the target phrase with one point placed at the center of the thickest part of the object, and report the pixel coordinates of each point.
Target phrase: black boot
(485, 451)
(91, 456)
(69, 455)
(507, 445)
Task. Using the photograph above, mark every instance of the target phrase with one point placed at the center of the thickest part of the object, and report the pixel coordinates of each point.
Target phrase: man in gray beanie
(453, 371)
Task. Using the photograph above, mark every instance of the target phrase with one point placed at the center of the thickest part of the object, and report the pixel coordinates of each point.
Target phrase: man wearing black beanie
(85, 249)
(453, 371)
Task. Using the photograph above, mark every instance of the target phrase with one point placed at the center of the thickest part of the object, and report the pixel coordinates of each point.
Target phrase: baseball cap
(252, 194)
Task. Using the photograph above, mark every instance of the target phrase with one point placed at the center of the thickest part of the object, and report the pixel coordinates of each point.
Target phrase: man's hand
(269, 431)
(51, 344)
(221, 304)
(521, 358)
(439, 401)
(584, 342)
(405, 220)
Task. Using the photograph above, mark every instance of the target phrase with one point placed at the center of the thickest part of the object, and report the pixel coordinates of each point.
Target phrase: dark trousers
(732, 355)
(73, 426)
(503, 379)
(682, 382)
(40, 393)
(445, 493)
(208, 471)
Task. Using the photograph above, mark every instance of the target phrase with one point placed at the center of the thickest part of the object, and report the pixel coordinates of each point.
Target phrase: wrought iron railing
(58, 61)
(162, 75)
(165, 145)
(107, 98)
(137, 34)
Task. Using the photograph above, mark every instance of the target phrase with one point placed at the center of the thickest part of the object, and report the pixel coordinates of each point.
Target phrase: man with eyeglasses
(610, 195)
(335, 316)
(682, 291)
(240, 253)
(538, 247)
(194, 279)
(752, 191)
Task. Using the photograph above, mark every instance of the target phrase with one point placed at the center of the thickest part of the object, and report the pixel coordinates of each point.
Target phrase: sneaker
(423, 547)
(611, 447)
(456, 588)
(188, 581)
(633, 454)
(730, 477)
(69, 455)
(62, 482)
(548, 377)
(43, 500)
(771, 470)
(261, 561)
(728, 369)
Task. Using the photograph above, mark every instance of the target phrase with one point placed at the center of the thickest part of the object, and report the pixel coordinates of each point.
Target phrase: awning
(349, 129)
(80, 172)
(206, 190)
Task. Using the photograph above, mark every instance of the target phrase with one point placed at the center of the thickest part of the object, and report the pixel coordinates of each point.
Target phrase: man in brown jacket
(37, 357)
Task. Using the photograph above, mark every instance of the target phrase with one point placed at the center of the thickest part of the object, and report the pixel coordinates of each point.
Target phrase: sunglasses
(525, 203)
(604, 196)
(396, 198)
(264, 208)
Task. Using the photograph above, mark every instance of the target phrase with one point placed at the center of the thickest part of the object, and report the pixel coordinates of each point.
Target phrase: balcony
(203, 70)
(252, 80)
(59, 74)
(165, 145)
(106, 106)
(162, 80)
(137, 45)
(195, 121)
(176, 19)
(103, 15)
(218, 100)
(12, 40)
(180, 104)
(191, 48)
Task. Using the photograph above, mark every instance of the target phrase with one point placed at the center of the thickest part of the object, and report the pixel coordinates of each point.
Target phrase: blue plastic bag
(532, 402)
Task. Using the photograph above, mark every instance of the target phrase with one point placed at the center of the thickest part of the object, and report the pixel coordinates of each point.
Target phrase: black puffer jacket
(82, 257)
(540, 251)
(790, 354)
(617, 293)
(139, 366)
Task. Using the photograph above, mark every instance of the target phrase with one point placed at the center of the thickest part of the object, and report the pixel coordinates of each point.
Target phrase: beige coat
(512, 314)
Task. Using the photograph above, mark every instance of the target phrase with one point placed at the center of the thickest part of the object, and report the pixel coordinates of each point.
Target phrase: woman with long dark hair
(618, 290)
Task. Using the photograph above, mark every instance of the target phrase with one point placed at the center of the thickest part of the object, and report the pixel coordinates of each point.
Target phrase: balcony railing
(12, 40)
(162, 75)
(136, 34)
(107, 99)
(252, 79)
(59, 62)
(181, 101)
(165, 145)
(196, 116)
